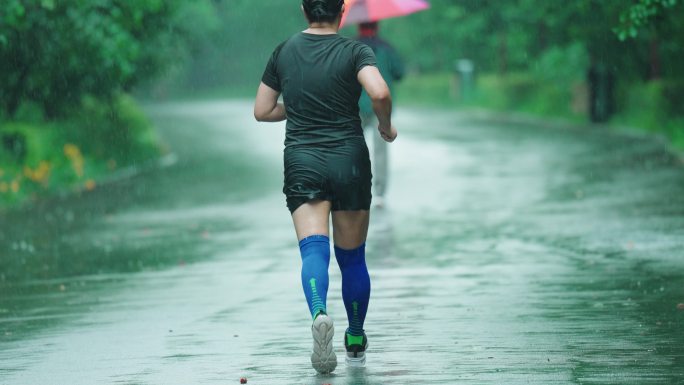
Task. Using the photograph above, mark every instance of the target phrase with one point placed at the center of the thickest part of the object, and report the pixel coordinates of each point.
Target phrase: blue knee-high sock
(315, 251)
(356, 286)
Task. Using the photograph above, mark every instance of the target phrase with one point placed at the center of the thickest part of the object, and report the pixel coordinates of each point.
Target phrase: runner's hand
(388, 134)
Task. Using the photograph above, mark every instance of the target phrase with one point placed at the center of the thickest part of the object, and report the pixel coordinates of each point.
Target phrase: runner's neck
(322, 28)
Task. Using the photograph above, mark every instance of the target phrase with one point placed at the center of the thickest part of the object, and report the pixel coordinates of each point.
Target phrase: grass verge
(653, 107)
(40, 157)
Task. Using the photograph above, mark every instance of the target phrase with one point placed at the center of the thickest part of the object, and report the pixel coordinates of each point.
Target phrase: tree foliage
(515, 35)
(642, 14)
(499, 36)
(52, 53)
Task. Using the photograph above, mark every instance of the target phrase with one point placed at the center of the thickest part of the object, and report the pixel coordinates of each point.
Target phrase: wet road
(509, 253)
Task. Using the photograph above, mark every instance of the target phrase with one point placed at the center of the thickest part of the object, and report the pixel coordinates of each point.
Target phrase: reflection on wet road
(508, 253)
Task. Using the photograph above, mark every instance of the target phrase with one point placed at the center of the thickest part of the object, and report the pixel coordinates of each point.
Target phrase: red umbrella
(360, 11)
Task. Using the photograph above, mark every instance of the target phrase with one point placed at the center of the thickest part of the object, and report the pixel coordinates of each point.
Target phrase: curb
(129, 172)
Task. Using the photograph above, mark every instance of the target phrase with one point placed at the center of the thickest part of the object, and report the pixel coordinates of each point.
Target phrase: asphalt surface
(509, 252)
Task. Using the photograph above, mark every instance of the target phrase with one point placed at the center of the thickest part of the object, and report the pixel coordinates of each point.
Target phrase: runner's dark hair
(322, 11)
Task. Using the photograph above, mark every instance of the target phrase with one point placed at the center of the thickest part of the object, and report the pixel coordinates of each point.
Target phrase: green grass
(653, 107)
(435, 89)
(71, 153)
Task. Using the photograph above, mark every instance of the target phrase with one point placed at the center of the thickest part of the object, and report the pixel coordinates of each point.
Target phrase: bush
(40, 158)
(432, 89)
(526, 92)
(654, 106)
(673, 97)
(116, 131)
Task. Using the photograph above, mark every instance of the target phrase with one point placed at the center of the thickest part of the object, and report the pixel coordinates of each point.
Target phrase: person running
(392, 69)
(327, 167)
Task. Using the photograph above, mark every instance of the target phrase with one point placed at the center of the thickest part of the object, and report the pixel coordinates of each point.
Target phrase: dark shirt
(317, 75)
(389, 63)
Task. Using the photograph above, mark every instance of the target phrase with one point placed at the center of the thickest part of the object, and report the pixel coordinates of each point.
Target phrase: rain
(530, 228)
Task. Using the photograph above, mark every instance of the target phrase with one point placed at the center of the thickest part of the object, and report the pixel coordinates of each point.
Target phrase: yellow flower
(15, 186)
(71, 150)
(90, 185)
(40, 174)
(74, 154)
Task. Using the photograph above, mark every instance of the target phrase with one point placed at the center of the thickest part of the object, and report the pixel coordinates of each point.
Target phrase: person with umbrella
(392, 69)
(367, 13)
(327, 167)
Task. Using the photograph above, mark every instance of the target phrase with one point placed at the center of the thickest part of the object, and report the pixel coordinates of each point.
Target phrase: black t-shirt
(317, 75)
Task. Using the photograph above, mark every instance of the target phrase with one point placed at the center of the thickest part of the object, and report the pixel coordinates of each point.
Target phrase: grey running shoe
(323, 358)
(356, 349)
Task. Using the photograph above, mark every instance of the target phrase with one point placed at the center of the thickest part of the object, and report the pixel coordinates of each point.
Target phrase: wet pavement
(509, 253)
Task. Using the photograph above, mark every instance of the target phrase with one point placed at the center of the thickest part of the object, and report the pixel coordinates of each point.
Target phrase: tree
(53, 53)
(642, 14)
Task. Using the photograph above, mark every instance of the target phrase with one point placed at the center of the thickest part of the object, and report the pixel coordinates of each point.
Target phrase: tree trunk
(656, 72)
(16, 93)
(503, 53)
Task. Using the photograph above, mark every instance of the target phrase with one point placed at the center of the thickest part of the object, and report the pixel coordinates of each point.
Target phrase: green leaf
(48, 4)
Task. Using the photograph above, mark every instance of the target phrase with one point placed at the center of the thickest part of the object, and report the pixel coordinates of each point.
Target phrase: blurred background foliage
(66, 68)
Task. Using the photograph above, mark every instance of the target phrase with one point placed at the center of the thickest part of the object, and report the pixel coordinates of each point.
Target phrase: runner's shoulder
(280, 46)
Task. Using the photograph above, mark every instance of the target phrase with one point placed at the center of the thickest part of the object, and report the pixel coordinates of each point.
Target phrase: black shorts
(338, 172)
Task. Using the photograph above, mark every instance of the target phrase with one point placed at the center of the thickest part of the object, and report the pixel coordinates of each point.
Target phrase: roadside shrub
(44, 157)
(113, 131)
(673, 96)
(426, 89)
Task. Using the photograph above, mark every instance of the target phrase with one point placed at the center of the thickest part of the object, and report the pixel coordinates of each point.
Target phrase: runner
(327, 167)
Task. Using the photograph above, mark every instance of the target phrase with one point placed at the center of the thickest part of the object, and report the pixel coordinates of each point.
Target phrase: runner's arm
(266, 106)
(377, 90)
